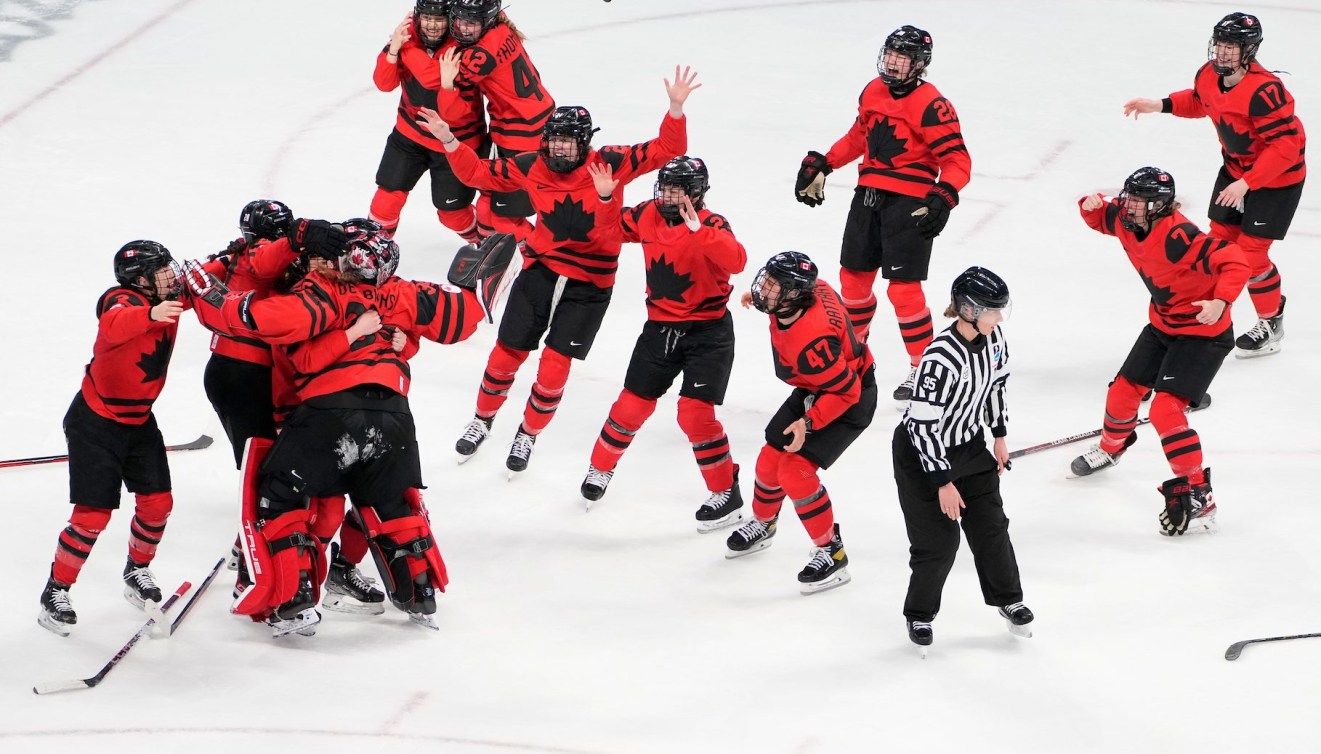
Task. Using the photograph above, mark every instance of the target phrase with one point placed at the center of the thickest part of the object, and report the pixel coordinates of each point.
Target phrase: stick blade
(199, 444)
(56, 687)
(1235, 650)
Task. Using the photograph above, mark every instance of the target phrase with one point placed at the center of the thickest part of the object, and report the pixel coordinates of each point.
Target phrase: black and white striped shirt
(960, 386)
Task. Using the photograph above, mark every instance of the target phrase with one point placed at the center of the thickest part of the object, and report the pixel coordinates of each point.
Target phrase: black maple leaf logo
(1234, 142)
(569, 221)
(663, 283)
(154, 363)
(1160, 296)
(882, 144)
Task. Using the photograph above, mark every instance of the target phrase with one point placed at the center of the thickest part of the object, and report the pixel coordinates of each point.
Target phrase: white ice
(622, 630)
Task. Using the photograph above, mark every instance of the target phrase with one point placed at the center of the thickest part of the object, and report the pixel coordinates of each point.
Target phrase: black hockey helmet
(437, 8)
(976, 291)
(1156, 188)
(912, 42)
(486, 12)
(265, 219)
(573, 122)
(796, 276)
(141, 259)
(372, 256)
(691, 176)
(1237, 28)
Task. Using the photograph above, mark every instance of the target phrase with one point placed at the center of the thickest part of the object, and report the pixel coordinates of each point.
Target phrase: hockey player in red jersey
(690, 254)
(491, 57)
(833, 401)
(111, 430)
(914, 164)
(569, 260)
(1193, 278)
(408, 63)
(1261, 181)
(353, 431)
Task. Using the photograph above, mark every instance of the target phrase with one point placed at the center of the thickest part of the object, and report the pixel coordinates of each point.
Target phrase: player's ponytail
(503, 18)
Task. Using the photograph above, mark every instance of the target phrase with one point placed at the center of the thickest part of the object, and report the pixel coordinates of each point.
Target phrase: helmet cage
(372, 256)
(1237, 29)
(794, 275)
(914, 44)
(689, 175)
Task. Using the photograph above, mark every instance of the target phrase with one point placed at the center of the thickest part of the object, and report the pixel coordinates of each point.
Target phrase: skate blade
(52, 625)
(706, 527)
(462, 459)
(1022, 632)
(758, 547)
(425, 621)
(304, 624)
(1267, 351)
(837, 579)
(343, 603)
(921, 651)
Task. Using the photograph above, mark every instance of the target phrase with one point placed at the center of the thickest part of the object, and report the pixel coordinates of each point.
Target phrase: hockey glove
(202, 285)
(810, 188)
(484, 269)
(934, 212)
(318, 238)
(1178, 506)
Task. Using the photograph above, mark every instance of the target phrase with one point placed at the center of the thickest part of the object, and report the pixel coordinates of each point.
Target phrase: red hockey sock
(855, 292)
(1264, 285)
(462, 221)
(352, 540)
(148, 526)
(501, 366)
(1121, 413)
(76, 542)
(698, 421)
(768, 496)
(910, 308)
(629, 412)
(386, 208)
(552, 375)
(811, 501)
(1182, 446)
(327, 518)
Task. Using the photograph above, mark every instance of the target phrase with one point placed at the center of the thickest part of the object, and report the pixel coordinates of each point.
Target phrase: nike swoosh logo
(900, 267)
(1166, 378)
(574, 343)
(1257, 223)
(500, 204)
(450, 201)
(699, 384)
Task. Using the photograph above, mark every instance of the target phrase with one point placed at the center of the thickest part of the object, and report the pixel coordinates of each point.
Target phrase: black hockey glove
(932, 216)
(810, 188)
(318, 238)
(1178, 506)
(202, 285)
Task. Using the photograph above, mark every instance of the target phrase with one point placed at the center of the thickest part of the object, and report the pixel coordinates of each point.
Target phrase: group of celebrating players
(314, 330)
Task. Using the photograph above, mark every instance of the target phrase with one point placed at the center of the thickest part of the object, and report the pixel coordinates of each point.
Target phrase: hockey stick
(87, 683)
(183, 611)
(1206, 401)
(1237, 647)
(202, 442)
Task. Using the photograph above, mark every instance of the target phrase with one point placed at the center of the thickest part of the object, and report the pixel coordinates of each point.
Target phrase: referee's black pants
(933, 538)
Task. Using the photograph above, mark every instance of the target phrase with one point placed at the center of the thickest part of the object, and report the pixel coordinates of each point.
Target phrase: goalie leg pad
(407, 559)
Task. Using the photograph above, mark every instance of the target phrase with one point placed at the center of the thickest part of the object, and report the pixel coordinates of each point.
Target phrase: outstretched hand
(685, 82)
(1141, 106)
(603, 176)
(438, 128)
(1092, 202)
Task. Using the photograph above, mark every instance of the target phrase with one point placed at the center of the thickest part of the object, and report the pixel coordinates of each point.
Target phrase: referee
(942, 467)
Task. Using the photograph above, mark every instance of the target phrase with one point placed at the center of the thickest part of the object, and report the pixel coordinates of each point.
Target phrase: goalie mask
(372, 256)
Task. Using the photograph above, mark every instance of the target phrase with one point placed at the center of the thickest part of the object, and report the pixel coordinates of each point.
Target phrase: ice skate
(751, 537)
(594, 484)
(1095, 459)
(919, 632)
(140, 585)
(235, 555)
(520, 452)
(1264, 337)
(827, 569)
(424, 603)
(721, 509)
(904, 393)
(57, 615)
(348, 591)
(472, 438)
(303, 623)
(1018, 618)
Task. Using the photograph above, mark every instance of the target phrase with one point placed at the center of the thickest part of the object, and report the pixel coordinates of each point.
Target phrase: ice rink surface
(623, 630)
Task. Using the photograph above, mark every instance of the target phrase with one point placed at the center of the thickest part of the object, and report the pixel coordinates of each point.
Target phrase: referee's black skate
(721, 509)
(752, 536)
(140, 584)
(1095, 459)
(1018, 618)
(347, 590)
(473, 436)
(919, 632)
(57, 614)
(827, 569)
(904, 393)
(520, 452)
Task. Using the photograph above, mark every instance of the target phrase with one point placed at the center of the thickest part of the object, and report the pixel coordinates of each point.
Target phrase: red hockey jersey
(906, 143)
(1179, 264)
(687, 271)
(820, 353)
(516, 100)
(1261, 140)
(130, 357)
(569, 237)
(418, 73)
(259, 269)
